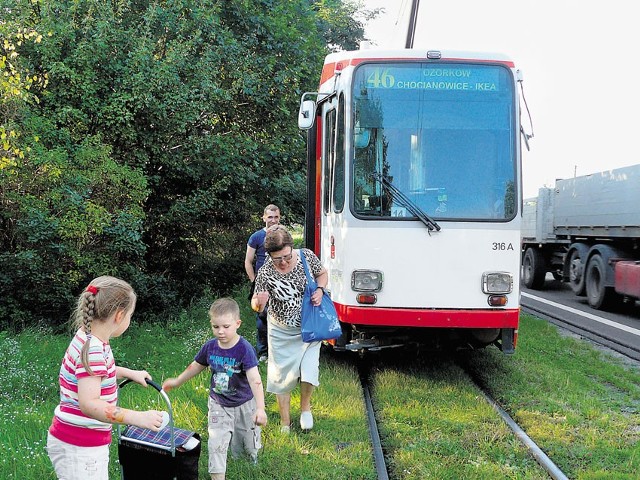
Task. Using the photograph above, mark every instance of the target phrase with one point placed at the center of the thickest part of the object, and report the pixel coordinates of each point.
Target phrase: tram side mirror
(307, 114)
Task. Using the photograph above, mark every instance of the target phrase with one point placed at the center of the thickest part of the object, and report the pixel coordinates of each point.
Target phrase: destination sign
(449, 77)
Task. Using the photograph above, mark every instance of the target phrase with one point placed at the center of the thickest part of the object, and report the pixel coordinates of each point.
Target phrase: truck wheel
(576, 273)
(534, 269)
(599, 296)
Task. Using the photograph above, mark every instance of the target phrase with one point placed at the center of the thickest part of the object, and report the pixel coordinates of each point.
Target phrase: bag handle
(165, 397)
(310, 279)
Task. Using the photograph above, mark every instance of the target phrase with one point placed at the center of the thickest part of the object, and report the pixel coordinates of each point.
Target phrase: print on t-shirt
(224, 368)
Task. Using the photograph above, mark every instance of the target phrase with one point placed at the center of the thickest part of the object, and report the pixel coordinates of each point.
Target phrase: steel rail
(378, 453)
(541, 457)
(543, 460)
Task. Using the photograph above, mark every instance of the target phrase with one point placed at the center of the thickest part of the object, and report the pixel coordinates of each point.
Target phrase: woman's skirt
(290, 359)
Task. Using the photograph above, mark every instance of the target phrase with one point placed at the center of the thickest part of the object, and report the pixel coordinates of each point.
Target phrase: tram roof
(414, 53)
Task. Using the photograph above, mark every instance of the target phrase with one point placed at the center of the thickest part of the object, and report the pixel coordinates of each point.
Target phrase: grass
(29, 394)
(436, 426)
(582, 404)
(579, 404)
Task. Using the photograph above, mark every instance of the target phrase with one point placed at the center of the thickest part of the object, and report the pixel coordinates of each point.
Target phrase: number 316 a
(501, 246)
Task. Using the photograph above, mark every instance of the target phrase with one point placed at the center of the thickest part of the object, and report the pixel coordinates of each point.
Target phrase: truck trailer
(586, 231)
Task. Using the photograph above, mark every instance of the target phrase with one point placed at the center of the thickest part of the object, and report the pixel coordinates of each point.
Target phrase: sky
(579, 61)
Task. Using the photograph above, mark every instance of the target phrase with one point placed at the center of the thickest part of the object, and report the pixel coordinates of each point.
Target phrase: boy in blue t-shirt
(236, 396)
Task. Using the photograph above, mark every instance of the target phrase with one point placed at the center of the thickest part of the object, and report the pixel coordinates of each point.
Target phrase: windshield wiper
(399, 196)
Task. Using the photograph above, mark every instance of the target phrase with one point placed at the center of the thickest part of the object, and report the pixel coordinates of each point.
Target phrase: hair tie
(92, 289)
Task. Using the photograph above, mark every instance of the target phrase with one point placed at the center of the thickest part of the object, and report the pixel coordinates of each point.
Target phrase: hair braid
(88, 310)
(99, 302)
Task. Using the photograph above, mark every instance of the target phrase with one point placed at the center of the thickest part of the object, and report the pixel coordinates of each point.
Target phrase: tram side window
(338, 169)
(368, 198)
(329, 153)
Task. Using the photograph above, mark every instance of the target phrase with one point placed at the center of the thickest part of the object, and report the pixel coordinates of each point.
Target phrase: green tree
(342, 23)
(18, 86)
(68, 211)
(165, 128)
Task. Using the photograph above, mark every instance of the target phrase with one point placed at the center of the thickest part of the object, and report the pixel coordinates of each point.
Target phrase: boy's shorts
(232, 427)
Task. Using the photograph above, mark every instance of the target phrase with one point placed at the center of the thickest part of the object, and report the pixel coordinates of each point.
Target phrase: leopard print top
(286, 290)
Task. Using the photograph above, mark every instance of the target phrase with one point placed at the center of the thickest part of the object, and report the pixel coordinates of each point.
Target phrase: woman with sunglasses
(281, 281)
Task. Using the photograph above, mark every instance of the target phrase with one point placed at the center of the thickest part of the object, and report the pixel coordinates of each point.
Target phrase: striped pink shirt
(69, 423)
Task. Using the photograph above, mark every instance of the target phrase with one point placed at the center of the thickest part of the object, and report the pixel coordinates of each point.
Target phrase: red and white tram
(414, 196)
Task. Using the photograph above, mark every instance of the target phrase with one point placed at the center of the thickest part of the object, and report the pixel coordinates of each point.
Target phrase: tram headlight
(497, 282)
(366, 281)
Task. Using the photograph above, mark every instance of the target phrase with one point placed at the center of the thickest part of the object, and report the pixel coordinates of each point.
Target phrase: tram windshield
(443, 134)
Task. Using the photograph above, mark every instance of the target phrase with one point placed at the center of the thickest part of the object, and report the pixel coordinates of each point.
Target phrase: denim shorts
(232, 428)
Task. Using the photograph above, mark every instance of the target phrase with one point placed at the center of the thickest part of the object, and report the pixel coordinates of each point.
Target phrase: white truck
(586, 231)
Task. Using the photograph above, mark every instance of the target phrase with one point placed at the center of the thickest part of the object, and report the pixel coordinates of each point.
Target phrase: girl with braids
(80, 434)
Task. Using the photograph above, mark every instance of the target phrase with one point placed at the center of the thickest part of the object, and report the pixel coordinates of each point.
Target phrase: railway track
(382, 469)
(378, 453)
(545, 462)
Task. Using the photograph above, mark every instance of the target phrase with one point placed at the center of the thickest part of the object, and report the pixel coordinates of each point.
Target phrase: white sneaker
(306, 420)
(263, 358)
(285, 429)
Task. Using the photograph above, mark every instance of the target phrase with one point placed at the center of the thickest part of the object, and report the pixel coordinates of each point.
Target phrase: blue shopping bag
(318, 322)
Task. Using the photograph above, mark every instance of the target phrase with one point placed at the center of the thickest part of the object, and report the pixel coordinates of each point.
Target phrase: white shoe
(263, 358)
(285, 429)
(306, 420)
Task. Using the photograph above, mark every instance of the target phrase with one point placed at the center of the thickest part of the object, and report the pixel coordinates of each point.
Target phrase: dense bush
(148, 140)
